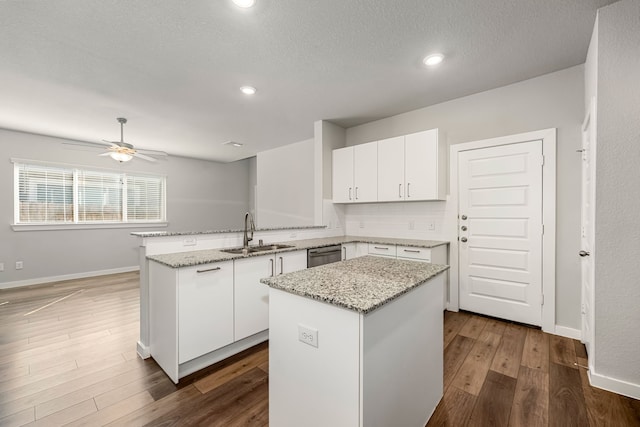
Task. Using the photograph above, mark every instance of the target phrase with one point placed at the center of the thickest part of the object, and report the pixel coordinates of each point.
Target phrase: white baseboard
(41, 280)
(564, 331)
(143, 350)
(614, 385)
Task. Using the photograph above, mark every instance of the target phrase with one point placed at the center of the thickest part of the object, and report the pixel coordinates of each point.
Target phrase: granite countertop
(206, 256)
(360, 284)
(240, 230)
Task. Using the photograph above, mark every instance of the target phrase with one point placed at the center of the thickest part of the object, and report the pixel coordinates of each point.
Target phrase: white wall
(617, 233)
(201, 195)
(551, 101)
(285, 192)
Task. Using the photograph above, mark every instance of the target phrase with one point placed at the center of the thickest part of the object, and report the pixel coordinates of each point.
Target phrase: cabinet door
(365, 172)
(348, 251)
(413, 253)
(377, 249)
(288, 262)
(342, 175)
(422, 166)
(205, 309)
(251, 300)
(391, 169)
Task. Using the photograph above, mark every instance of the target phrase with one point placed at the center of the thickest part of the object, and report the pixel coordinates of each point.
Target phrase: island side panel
(311, 386)
(403, 358)
(163, 315)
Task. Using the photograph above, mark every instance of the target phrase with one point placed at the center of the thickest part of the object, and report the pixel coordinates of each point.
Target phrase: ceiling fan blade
(106, 153)
(152, 152)
(142, 156)
(88, 144)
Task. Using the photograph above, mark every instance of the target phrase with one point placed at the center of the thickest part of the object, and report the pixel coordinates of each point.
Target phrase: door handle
(349, 193)
(463, 239)
(272, 272)
(281, 265)
(400, 191)
(408, 189)
(356, 193)
(209, 269)
(584, 253)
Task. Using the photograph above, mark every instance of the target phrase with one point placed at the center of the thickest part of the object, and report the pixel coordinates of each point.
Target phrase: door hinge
(541, 299)
(542, 160)
(542, 229)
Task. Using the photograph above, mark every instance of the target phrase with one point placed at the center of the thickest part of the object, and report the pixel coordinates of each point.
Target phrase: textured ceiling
(68, 68)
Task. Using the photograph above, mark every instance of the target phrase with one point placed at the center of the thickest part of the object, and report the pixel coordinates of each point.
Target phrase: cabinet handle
(209, 269)
(281, 265)
(412, 251)
(356, 193)
(378, 247)
(271, 261)
(400, 191)
(349, 193)
(408, 187)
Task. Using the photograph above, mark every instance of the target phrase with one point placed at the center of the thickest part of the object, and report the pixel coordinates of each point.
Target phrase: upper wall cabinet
(355, 174)
(412, 167)
(409, 167)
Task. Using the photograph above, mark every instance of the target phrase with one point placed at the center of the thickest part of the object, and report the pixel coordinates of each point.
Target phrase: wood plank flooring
(73, 362)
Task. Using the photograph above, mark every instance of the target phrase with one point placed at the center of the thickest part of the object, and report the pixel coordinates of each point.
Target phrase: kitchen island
(356, 343)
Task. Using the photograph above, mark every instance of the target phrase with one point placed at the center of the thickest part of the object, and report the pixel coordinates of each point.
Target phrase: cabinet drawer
(382, 250)
(422, 254)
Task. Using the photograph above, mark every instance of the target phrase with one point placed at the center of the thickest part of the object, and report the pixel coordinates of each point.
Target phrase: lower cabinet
(251, 302)
(353, 250)
(190, 311)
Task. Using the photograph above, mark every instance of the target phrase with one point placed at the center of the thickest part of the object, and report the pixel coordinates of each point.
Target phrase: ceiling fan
(120, 150)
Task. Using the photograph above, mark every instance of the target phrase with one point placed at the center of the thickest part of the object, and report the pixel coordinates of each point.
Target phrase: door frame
(589, 130)
(548, 137)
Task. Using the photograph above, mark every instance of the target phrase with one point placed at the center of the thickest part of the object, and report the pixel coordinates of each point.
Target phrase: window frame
(76, 224)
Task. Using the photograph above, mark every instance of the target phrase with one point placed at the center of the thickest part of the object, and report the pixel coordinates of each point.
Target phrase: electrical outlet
(293, 235)
(412, 225)
(189, 241)
(308, 335)
(1, 266)
(431, 226)
(18, 265)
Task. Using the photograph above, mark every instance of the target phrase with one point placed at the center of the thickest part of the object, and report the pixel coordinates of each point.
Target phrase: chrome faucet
(249, 226)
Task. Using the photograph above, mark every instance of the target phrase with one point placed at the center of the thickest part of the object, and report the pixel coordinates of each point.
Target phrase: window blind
(145, 198)
(45, 194)
(99, 197)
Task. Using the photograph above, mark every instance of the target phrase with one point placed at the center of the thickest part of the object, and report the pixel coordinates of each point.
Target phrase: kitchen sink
(254, 249)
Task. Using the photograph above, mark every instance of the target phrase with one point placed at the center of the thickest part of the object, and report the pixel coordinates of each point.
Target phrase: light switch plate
(308, 335)
(19, 265)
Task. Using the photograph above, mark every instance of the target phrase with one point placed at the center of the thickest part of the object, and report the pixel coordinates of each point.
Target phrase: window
(65, 195)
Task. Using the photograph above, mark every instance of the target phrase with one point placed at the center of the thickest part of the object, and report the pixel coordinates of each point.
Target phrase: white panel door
(391, 169)
(500, 230)
(342, 175)
(421, 165)
(365, 172)
(586, 239)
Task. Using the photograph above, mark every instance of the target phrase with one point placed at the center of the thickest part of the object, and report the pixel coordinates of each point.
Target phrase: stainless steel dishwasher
(326, 255)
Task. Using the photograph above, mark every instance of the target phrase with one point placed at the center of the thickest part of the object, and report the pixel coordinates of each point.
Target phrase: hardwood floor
(67, 357)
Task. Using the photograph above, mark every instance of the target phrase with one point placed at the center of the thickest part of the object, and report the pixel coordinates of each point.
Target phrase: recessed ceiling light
(232, 143)
(244, 3)
(248, 90)
(433, 59)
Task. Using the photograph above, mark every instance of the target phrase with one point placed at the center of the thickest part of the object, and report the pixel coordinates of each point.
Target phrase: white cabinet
(412, 167)
(251, 302)
(353, 250)
(355, 172)
(190, 311)
(205, 309)
(378, 249)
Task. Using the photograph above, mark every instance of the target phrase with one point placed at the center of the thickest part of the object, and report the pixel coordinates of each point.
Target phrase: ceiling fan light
(121, 157)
